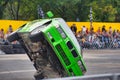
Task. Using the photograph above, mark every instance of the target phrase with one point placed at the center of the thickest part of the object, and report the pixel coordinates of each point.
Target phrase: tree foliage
(3, 3)
(70, 10)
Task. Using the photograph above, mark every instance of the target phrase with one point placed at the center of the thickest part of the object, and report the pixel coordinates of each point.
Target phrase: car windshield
(32, 47)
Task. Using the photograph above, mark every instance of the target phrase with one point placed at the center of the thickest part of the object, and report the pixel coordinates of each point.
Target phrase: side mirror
(50, 14)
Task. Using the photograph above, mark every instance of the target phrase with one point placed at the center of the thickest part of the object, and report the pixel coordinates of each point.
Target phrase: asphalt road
(16, 67)
(19, 67)
(102, 61)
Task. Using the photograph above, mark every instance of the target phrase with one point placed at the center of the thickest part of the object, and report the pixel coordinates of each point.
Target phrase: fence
(16, 24)
(12, 48)
(115, 76)
(99, 42)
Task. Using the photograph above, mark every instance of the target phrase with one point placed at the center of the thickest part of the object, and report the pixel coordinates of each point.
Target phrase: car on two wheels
(54, 39)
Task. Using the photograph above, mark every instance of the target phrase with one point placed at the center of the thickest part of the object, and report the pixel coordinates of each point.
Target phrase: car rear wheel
(38, 76)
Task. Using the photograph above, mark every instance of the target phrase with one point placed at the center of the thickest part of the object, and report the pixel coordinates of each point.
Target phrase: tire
(36, 37)
(38, 76)
(13, 36)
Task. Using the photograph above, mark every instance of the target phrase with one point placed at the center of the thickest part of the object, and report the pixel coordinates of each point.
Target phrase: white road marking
(14, 59)
(18, 71)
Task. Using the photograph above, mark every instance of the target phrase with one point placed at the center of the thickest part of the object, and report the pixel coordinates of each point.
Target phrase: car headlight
(61, 32)
(49, 35)
(81, 66)
(79, 63)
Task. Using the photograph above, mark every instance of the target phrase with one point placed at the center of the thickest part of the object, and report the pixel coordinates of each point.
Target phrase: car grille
(63, 55)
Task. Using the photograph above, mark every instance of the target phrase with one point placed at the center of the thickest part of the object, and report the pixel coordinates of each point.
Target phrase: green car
(54, 39)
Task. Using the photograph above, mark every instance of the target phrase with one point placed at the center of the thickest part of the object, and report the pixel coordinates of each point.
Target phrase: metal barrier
(12, 48)
(115, 76)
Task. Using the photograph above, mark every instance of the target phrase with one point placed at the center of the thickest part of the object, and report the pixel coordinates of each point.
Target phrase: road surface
(19, 67)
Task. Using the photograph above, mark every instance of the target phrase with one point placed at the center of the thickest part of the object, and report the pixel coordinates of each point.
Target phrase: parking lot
(19, 67)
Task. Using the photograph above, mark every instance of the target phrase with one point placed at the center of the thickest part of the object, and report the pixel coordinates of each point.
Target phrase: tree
(104, 10)
(3, 3)
(13, 7)
(109, 14)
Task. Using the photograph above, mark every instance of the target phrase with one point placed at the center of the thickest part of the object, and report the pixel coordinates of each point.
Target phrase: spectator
(84, 30)
(5, 38)
(103, 28)
(110, 30)
(96, 42)
(10, 29)
(92, 30)
(74, 28)
(85, 43)
(114, 33)
(98, 31)
(106, 39)
(117, 33)
(2, 34)
(91, 37)
(78, 35)
(115, 43)
(87, 31)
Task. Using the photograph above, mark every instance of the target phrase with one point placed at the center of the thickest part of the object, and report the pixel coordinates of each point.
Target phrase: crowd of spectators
(88, 39)
(100, 39)
(3, 35)
(9, 47)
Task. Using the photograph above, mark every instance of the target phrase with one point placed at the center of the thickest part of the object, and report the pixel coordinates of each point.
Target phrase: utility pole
(40, 12)
(91, 19)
